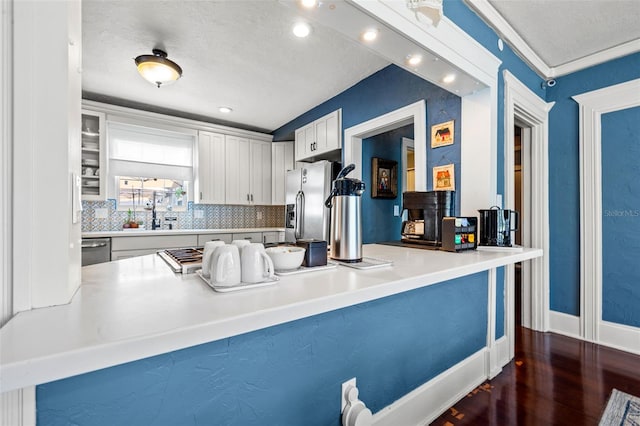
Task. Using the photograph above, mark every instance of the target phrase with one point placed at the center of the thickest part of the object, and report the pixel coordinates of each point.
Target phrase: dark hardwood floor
(553, 380)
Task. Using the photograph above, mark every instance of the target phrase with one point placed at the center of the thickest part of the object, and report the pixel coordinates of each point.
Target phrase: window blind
(146, 152)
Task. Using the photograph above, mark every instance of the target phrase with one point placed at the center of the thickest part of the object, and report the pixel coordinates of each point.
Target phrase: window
(147, 164)
(138, 193)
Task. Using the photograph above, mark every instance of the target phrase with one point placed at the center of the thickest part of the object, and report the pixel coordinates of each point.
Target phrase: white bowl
(286, 257)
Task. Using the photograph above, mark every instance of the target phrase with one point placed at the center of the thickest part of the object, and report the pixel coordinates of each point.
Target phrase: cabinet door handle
(200, 195)
(252, 198)
(247, 197)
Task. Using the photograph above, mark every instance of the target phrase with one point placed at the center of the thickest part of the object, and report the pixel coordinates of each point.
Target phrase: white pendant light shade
(157, 69)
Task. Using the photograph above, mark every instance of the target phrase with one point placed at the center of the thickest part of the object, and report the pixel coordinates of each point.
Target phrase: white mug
(241, 244)
(257, 266)
(225, 266)
(207, 256)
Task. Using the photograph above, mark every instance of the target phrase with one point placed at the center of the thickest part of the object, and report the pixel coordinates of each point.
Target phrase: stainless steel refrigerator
(307, 188)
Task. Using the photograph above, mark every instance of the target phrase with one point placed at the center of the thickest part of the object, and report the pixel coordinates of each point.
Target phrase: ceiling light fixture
(301, 29)
(157, 69)
(370, 34)
(225, 110)
(309, 4)
(414, 60)
(449, 78)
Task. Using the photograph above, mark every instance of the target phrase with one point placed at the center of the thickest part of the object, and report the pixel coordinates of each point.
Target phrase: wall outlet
(198, 214)
(259, 215)
(101, 213)
(343, 396)
(396, 210)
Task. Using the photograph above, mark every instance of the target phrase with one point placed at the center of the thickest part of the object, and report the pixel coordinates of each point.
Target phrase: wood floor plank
(553, 380)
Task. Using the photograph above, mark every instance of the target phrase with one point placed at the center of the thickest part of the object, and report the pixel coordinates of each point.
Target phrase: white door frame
(415, 114)
(524, 106)
(406, 144)
(525, 225)
(592, 105)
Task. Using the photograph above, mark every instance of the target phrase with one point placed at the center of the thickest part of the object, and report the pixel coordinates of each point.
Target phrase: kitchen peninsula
(136, 308)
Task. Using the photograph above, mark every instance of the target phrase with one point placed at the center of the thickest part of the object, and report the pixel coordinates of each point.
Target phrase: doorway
(408, 165)
(522, 204)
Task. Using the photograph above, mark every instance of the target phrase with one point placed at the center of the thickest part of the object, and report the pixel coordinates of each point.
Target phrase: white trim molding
(415, 114)
(495, 20)
(425, 403)
(524, 106)
(592, 105)
(565, 324)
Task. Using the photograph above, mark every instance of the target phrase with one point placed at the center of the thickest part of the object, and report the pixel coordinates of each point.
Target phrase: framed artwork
(384, 178)
(442, 134)
(444, 178)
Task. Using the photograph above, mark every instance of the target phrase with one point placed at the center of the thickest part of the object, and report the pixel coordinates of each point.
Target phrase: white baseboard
(502, 345)
(565, 324)
(620, 336)
(424, 404)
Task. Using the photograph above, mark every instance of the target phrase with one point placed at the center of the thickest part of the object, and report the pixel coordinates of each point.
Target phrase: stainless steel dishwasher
(96, 250)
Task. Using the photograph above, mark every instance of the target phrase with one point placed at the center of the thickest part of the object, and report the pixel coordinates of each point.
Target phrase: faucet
(155, 222)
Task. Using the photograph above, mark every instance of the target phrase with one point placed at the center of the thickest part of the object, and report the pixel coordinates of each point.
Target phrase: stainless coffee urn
(346, 217)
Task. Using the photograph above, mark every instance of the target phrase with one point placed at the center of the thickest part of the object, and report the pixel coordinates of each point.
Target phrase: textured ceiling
(234, 53)
(562, 31)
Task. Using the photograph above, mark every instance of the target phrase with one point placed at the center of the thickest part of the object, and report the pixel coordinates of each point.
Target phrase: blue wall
(564, 188)
(378, 222)
(289, 374)
(564, 175)
(621, 217)
(384, 91)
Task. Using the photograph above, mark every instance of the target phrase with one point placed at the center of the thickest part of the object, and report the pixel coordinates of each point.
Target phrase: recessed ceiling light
(370, 34)
(225, 110)
(301, 29)
(414, 60)
(449, 78)
(309, 3)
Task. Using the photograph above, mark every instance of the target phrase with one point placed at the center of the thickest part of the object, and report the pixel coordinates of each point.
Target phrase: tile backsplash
(197, 216)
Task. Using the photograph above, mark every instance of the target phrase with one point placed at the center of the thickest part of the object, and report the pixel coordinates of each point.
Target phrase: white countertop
(146, 232)
(136, 308)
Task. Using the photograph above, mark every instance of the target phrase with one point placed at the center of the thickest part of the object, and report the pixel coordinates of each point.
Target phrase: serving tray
(367, 263)
(241, 286)
(305, 269)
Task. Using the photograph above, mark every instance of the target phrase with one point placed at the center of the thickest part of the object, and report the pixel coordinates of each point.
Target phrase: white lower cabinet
(272, 237)
(203, 238)
(126, 254)
(254, 237)
(124, 247)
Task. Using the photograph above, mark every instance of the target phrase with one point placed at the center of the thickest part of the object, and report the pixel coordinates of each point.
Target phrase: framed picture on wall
(444, 178)
(442, 134)
(384, 178)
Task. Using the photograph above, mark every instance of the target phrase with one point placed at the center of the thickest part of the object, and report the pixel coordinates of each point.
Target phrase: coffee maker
(496, 226)
(425, 213)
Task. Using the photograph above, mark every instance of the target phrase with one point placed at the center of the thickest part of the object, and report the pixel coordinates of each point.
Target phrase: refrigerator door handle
(299, 214)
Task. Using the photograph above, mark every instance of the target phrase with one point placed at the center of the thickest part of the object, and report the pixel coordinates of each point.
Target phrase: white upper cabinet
(94, 156)
(238, 164)
(319, 137)
(281, 162)
(260, 173)
(248, 171)
(211, 168)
